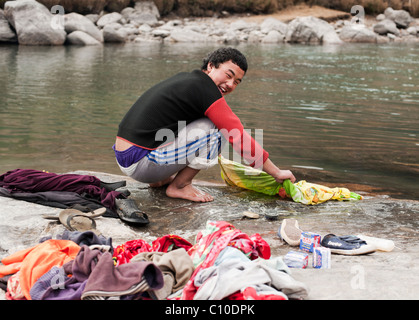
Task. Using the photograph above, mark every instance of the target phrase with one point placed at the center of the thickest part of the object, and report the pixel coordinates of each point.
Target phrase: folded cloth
(129, 279)
(30, 180)
(176, 266)
(36, 261)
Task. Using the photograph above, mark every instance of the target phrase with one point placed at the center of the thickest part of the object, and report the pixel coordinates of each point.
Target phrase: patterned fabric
(217, 236)
(237, 174)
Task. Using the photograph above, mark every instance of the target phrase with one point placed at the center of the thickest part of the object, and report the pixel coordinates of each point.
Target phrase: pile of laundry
(223, 263)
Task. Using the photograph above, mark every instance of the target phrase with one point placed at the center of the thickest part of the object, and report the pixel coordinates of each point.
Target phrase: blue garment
(130, 156)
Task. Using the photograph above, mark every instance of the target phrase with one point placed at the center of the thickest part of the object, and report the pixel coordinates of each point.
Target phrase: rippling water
(337, 114)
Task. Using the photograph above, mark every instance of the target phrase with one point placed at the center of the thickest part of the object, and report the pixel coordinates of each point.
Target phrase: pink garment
(217, 236)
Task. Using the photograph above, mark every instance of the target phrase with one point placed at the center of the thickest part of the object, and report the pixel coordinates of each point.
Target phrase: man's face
(227, 76)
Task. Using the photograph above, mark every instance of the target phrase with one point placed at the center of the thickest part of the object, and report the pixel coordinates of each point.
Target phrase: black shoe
(129, 212)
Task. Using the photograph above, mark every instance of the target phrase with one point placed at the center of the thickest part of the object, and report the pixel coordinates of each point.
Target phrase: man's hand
(278, 174)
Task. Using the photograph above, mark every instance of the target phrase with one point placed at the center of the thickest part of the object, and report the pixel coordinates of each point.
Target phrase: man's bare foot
(162, 183)
(188, 192)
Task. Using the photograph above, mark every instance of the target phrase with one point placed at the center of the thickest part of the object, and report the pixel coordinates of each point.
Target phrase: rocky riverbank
(28, 22)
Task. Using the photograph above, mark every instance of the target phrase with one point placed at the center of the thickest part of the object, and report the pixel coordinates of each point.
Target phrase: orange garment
(36, 261)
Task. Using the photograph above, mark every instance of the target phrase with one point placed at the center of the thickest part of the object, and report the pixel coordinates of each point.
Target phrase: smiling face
(226, 77)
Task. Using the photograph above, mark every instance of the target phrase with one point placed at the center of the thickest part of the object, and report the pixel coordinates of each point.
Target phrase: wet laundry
(237, 174)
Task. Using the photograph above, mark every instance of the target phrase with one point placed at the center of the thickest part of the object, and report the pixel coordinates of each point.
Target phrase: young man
(176, 128)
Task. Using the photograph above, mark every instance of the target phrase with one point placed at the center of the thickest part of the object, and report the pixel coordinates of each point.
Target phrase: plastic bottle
(379, 243)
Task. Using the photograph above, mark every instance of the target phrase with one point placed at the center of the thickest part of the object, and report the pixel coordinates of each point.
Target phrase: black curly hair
(223, 55)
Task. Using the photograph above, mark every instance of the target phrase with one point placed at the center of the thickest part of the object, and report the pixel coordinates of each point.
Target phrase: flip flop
(77, 221)
(346, 245)
(92, 214)
(128, 211)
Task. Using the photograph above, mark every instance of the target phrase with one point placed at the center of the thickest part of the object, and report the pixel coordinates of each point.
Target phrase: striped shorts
(197, 146)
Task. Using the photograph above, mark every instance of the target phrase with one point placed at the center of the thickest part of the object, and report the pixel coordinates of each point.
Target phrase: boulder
(270, 24)
(401, 18)
(311, 30)
(186, 35)
(113, 34)
(385, 27)
(273, 36)
(81, 38)
(357, 33)
(109, 18)
(33, 23)
(144, 12)
(6, 32)
(77, 22)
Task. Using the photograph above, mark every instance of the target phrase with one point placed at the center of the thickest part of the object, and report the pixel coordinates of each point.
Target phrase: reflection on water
(338, 114)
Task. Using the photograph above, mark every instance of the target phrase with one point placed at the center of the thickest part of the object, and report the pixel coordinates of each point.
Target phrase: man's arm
(279, 175)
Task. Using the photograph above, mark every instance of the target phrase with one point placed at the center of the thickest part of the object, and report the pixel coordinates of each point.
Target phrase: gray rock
(77, 22)
(270, 24)
(144, 12)
(6, 32)
(186, 35)
(311, 30)
(273, 36)
(357, 33)
(33, 23)
(109, 18)
(413, 30)
(385, 27)
(81, 38)
(401, 18)
(111, 34)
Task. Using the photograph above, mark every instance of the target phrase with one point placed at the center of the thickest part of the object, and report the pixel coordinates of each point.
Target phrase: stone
(81, 38)
(273, 36)
(77, 22)
(109, 18)
(33, 23)
(357, 33)
(401, 18)
(186, 35)
(385, 27)
(111, 34)
(311, 30)
(270, 24)
(6, 32)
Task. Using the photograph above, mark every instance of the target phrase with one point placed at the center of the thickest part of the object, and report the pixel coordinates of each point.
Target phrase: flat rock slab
(381, 275)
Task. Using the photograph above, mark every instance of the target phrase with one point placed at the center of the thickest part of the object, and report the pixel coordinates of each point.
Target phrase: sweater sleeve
(231, 127)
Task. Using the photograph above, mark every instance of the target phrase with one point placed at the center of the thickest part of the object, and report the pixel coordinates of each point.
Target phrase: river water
(345, 114)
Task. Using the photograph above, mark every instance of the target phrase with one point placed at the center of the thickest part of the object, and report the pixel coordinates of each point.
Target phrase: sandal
(78, 221)
(92, 214)
(129, 212)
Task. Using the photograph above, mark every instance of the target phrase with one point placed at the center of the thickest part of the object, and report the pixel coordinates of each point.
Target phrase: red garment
(125, 252)
(34, 262)
(169, 243)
